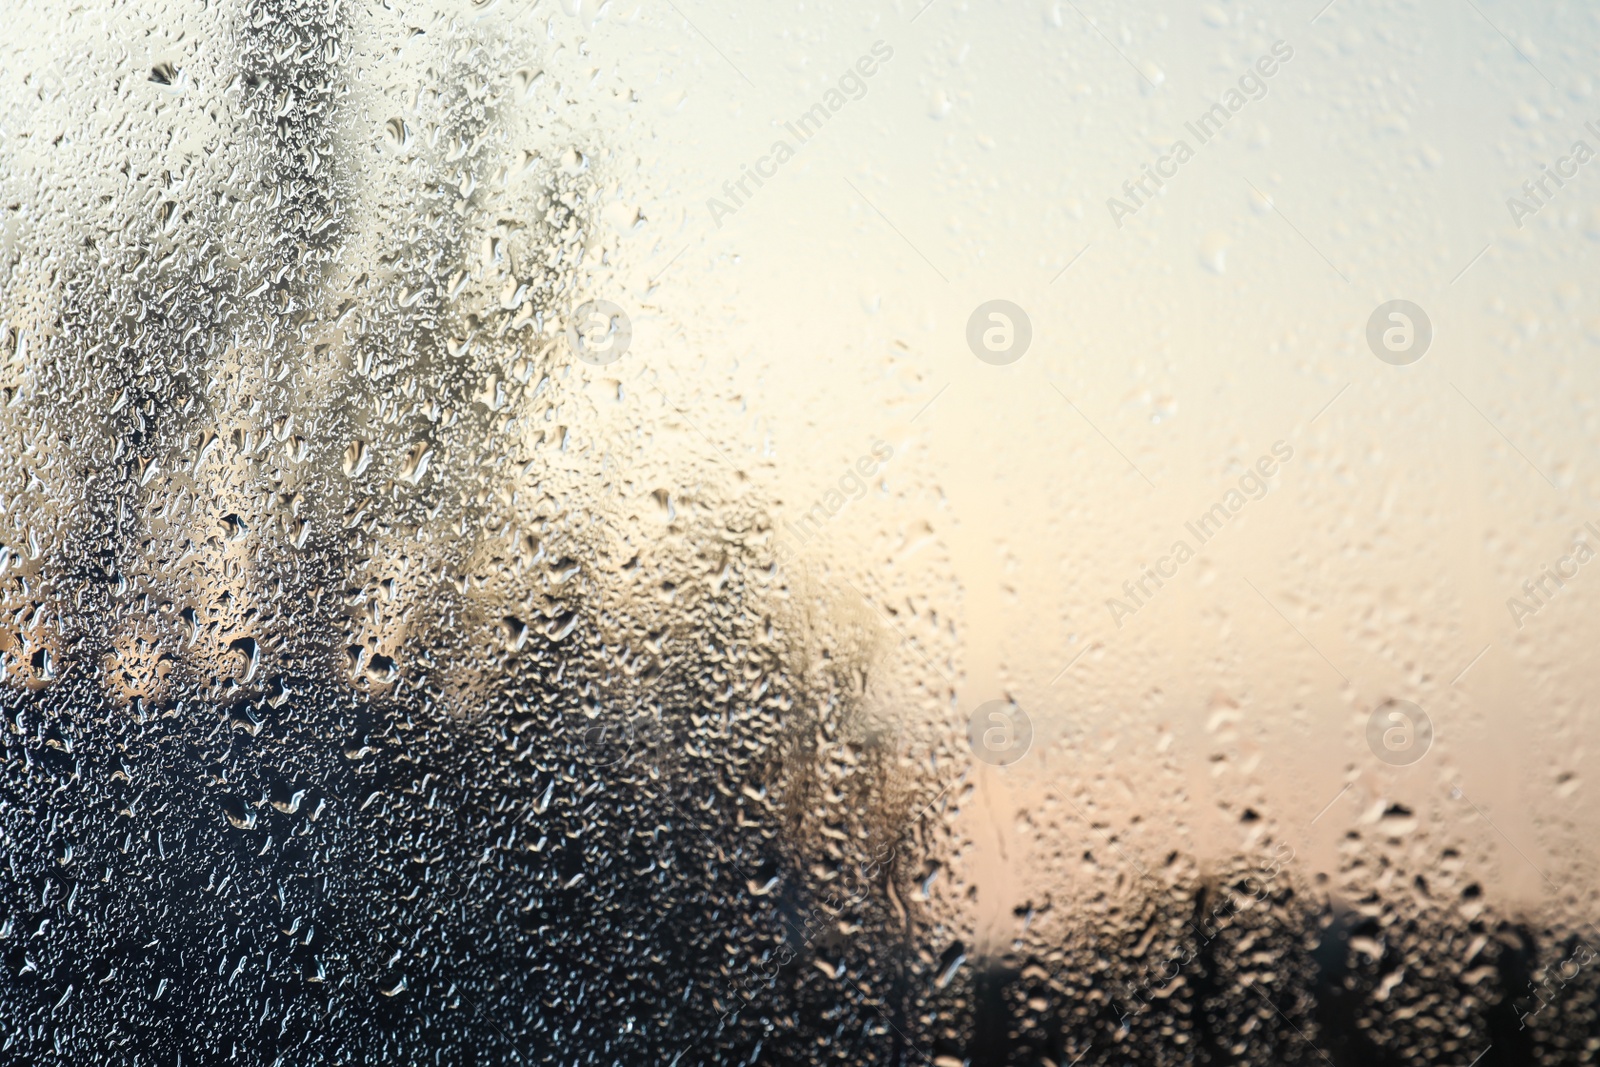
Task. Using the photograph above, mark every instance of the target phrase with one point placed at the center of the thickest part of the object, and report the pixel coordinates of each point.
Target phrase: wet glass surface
(950, 533)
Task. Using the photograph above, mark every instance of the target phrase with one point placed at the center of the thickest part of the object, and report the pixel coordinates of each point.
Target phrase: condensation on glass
(648, 533)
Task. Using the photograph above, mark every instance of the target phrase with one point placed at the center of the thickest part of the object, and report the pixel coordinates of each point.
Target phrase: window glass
(684, 532)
